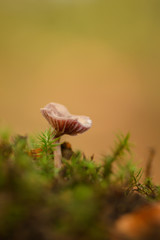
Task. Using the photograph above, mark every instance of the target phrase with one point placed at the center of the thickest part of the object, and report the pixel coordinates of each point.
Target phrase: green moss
(81, 200)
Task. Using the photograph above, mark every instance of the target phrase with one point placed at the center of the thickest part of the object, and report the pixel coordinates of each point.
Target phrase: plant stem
(57, 156)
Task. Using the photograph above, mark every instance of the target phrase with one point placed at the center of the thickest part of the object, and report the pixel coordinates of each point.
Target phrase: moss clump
(82, 200)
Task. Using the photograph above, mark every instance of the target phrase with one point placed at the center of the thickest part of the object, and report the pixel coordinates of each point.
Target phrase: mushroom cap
(63, 122)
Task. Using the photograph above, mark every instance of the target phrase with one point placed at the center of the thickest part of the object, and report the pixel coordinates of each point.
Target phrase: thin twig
(149, 162)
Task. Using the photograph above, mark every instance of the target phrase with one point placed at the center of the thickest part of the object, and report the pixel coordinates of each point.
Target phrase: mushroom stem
(57, 156)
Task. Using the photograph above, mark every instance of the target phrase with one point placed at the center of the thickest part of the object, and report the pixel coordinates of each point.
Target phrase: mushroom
(64, 123)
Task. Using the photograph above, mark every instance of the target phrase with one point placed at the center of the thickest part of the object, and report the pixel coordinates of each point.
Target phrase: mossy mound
(82, 200)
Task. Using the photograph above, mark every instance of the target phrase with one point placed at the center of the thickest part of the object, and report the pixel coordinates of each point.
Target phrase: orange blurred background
(99, 58)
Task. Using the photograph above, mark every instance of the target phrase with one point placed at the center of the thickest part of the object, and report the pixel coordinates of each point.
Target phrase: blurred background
(99, 58)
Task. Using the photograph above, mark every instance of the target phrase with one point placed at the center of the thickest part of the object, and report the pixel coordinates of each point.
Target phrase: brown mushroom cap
(63, 122)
